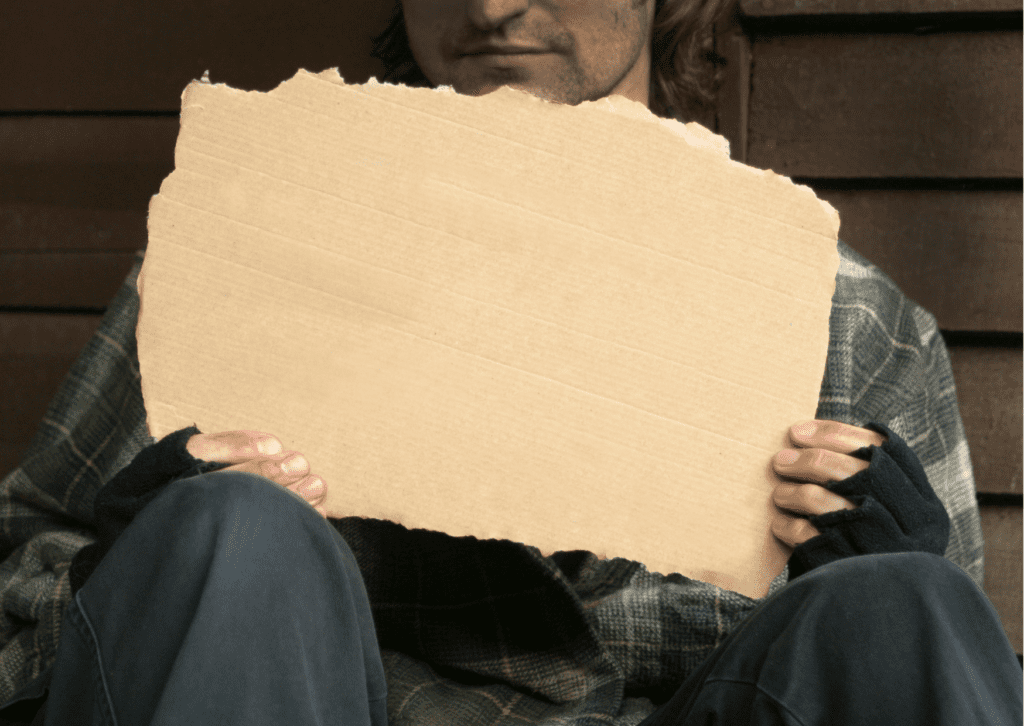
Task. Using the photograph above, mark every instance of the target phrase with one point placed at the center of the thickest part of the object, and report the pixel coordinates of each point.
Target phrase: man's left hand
(821, 454)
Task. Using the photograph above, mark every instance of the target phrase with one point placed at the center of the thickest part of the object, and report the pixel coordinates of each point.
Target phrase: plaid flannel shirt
(485, 632)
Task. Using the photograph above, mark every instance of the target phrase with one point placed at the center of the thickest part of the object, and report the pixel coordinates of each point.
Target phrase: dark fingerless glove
(897, 510)
(124, 496)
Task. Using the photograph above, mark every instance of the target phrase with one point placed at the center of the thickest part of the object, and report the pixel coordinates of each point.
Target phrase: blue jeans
(905, 638)
(228, 600)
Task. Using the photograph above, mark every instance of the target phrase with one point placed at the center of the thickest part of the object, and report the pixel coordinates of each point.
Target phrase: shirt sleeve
(888, 363)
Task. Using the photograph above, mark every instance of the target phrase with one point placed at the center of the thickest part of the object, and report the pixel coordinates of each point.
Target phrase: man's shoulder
(860, 279)
(867, 302)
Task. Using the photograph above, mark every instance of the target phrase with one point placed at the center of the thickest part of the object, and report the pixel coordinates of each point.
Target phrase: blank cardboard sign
(576, 327)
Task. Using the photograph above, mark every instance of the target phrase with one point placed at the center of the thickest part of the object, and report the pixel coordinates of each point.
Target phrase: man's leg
(226, 601)
(903, 639)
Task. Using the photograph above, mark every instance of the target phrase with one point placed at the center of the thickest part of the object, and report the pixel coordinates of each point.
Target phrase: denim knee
(924, 567)
(889, 574)
(226, 490)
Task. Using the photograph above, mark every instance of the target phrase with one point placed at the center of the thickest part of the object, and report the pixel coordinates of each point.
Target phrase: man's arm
(888, 363)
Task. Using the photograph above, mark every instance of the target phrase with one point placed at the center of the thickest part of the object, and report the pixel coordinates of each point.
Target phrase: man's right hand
(258, 452)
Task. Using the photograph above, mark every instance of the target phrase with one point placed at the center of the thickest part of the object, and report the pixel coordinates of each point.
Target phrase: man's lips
(495, 49)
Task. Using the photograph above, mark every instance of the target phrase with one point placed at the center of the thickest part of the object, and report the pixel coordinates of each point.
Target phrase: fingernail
(294, 464)
(269, 447)
(313, 486)
(807, 428)
(787, 456)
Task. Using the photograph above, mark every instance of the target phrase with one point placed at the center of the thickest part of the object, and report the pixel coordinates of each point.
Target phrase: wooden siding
(107, 55)
(776, 8)
(892, 105)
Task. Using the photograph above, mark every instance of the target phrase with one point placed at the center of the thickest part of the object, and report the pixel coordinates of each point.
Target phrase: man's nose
(492, 14)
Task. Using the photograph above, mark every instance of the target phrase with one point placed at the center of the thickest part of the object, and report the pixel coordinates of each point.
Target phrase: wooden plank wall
(86, 136)
(909, 124)
(906, 116)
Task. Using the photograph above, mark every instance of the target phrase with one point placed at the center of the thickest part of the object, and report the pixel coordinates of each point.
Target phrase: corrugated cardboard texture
(573, 327)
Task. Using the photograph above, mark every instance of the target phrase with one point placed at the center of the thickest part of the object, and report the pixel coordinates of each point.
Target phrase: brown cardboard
(577, 327)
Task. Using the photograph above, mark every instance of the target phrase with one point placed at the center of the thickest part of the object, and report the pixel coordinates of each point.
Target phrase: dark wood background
(905, 115)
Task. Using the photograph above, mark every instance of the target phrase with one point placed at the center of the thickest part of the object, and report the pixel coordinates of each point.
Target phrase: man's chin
(483, 88)
(478, 78)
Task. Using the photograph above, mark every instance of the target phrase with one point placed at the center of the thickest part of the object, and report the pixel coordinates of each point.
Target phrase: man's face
(588, 48)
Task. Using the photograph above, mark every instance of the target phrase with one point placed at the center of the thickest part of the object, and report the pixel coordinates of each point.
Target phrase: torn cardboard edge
(691, 132)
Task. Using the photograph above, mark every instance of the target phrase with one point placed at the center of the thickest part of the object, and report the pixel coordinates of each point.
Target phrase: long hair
(683, 65)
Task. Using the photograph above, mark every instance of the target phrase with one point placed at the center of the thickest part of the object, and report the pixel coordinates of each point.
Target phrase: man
(560, 52)
(648, 52)
(211, 596)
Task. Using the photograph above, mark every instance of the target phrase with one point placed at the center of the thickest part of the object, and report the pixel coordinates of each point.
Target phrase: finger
(274, 468)
(816, 465)
(311, 488)
(809, 499)
(834, 436)
(792, 530)
(233, 447)
(228, 445)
